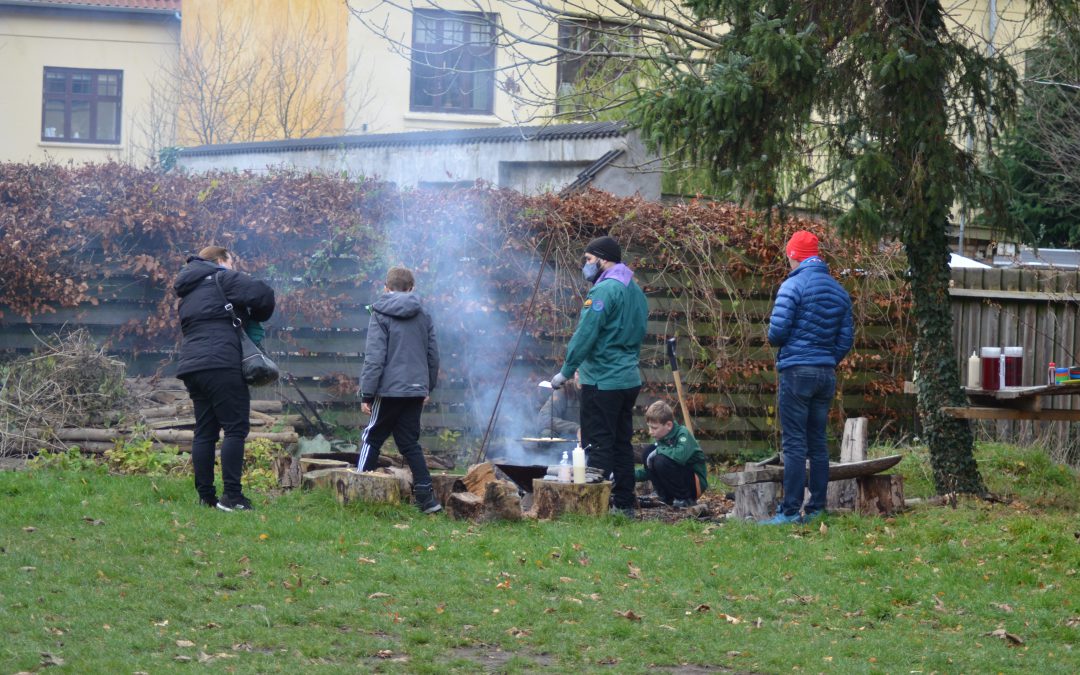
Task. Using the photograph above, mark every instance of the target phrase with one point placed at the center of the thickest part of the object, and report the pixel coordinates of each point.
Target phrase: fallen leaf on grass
(27, 569)
(609, 661)
(1008, 637)
(93, 521)
(629, 614)
(384, 653)
(518, 632)
(702, 608)
(48, 659)
(1002, 606)
(162, 624)
(365, 561)
(635, 572)
(1073, 622)
(185, 643)
(565, 580)
(377, 595)
(939, 605)
(182, 659)
(730, 619)
(824, 529)
(758, 623)
(29, 528)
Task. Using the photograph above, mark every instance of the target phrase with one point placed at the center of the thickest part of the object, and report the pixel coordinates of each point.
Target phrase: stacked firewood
(160, 410)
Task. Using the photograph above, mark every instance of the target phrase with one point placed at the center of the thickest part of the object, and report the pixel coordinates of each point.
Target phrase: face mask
(590, 271)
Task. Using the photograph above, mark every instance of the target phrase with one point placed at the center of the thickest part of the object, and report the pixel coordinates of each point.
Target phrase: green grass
(127, 573)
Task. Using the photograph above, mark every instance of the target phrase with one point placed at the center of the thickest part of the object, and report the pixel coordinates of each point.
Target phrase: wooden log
(402, 476)
(312, 464)
(756, 501)
(477, 478)
(465, 506)
(501, 501)
(842, 493)
(444, 485)
(881, 495)
(323, 478)
(288, 471)
(552, 499)
(836, 471)
(368, 486)
(266, 406)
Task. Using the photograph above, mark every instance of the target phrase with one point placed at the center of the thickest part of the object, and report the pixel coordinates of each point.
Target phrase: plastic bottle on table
(974, 380)
(1051, 373)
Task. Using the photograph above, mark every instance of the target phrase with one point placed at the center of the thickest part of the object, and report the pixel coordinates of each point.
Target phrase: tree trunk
(950, 439)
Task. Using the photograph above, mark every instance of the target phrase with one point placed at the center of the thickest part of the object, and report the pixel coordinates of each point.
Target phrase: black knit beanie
(606, 248)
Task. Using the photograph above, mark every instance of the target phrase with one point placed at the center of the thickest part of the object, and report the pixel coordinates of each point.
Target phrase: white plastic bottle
(974, 371)
(579, 464)
(564, 468)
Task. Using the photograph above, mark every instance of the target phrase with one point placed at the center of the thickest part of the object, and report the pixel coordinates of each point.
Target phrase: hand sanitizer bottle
(579, 464)
(564, 468)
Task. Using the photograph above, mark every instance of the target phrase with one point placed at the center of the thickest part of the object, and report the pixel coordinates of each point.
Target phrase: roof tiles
(164, 6)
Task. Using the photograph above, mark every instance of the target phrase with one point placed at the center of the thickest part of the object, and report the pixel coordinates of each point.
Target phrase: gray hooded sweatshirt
(401, 358)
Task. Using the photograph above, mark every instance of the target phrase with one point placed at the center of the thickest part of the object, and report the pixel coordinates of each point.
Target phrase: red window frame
(94, 90)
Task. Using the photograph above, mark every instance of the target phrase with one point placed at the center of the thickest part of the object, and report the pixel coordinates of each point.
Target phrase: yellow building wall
(32, 40)
(315, 32)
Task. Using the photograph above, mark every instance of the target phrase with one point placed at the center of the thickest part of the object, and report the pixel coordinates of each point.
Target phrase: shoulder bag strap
(236, 322)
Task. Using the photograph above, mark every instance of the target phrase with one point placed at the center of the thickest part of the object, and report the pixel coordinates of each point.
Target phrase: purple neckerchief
(620, 273)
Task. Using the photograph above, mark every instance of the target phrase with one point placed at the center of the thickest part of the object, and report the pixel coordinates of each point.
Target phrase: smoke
(469, 273)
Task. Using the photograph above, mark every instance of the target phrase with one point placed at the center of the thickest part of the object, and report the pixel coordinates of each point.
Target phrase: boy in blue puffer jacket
(811, 325)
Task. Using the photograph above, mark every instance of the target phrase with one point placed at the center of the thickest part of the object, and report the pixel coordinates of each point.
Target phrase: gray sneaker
(425, 500)
(241, 503)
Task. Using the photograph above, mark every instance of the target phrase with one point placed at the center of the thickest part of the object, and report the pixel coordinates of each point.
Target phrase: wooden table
(1017, 403)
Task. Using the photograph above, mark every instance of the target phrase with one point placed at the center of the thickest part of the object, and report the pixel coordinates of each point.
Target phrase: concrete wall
(31, 39)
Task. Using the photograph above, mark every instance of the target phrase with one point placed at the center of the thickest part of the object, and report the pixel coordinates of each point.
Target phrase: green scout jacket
(607, 343)
(681, 447)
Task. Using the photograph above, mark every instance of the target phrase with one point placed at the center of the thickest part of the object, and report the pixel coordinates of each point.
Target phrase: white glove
(558, 381)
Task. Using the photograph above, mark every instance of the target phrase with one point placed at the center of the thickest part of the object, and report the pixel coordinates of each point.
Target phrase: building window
(453, 62)
(81, 106)
(589, 66)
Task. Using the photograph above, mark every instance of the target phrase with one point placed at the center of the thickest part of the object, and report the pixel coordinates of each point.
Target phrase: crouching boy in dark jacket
(401, 365)
(676, 466)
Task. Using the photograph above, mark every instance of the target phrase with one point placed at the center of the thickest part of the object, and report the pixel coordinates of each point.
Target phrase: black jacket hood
(193, 274)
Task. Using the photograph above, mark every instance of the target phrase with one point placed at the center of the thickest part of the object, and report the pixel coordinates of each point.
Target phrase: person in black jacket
(210, 358)
(401, 366)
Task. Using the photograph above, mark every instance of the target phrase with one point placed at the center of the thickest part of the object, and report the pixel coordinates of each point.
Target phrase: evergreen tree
(872, 98)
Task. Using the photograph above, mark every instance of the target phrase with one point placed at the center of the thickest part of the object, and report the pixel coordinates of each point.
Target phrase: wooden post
(842, 493)
(551, 499)
(287, 469)
(880, 495)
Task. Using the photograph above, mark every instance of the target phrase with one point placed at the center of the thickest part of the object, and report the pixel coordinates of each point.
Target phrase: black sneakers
(425, 500)
(209, 503)
(241, 503)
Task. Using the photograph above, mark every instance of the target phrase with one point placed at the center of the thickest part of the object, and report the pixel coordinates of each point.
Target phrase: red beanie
(802, 245)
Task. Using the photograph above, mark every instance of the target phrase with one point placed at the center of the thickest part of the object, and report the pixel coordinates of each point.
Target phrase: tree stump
(323, 478)
(403, 477)
(501, 501)
(288, 472)
(880, 495)
(353, 486)
(477, 478)
(465, 506)
(756, 501)
(444, 485)
(552, 499)
(843, 494)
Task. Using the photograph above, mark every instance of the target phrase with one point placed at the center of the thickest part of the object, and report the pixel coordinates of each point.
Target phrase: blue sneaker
(781, 519)
(812, 516)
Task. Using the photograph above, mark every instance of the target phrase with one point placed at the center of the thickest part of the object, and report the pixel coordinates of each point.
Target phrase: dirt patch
(494, 659)
(711, 506)
(12, 463)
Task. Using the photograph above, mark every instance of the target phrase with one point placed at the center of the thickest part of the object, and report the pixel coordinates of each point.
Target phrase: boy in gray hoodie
(401, 365)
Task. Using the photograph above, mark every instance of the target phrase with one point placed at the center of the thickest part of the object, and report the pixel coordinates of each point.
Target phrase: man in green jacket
(676, 464)
(604, 352)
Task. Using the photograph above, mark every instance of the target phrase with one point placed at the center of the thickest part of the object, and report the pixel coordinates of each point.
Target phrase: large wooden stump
(551, 499)
(842, 493)
(402, 476)
(465, 506)
(880, 495)
(501, 501)
(352, 486)
(323, 478)
(313, 464)
(444, 485)
(756, 501)
(287, 469)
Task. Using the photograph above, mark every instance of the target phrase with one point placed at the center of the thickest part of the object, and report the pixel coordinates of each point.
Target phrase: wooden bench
(853, 482)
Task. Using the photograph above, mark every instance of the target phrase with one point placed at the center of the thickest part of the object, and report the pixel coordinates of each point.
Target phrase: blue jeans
(806, 392)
